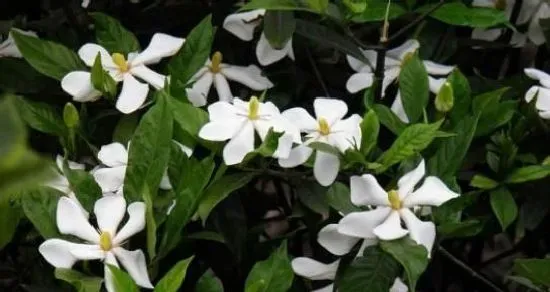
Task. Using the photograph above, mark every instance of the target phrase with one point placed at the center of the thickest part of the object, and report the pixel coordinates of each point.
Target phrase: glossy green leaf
(273, 274)
(370, 126)
(389, 119)
(124, 129)
(114, 37)
(414, 88)
(41, 116)
(467, 228)
(413, 257)
(279, 27)
(84, 186)
(483, 182)
(208, 282)
(376, 11)
(504, 206)
(536, 270)
(81, 282)
(49, 58)
(456, 13)
(339, 197)
(277, 5)
(122, 282)
(188, 117)
(172, 281)
(39, 206)
(9, 220)
(528, 173)
(462, 95)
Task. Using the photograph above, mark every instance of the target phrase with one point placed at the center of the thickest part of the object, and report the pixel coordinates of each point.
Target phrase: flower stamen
(253, 108)
(120, 61)
(324, 127)
(217, 58)
(105, 242)
(395, 202)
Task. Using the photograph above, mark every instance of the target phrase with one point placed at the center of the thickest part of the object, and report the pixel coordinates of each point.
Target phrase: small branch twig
(317, 73)
(415, 22)
(470, 271)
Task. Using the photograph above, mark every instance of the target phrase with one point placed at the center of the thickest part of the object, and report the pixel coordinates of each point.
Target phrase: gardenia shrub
(296, 145)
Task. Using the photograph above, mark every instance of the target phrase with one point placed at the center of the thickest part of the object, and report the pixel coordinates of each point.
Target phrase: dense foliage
(274, 145)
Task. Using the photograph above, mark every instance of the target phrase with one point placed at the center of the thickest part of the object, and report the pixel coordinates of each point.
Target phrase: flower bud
(444, 99)
(70, 116)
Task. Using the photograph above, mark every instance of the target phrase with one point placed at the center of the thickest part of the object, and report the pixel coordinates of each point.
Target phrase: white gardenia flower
(8, 48)
(394, 206)
(542, 92)
(239, 121)
(393, 63)
(115, 158)
(493, 33)
(243, 24)
(327, 127)
(217, 73)
(104, 243)
(125, 69)
(61, 183)
(532, 11)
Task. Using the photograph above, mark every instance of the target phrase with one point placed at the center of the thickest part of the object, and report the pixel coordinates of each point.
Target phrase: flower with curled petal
(105, 243)
(392, 207)
(61, 183)
(123, 69)
(542, 92)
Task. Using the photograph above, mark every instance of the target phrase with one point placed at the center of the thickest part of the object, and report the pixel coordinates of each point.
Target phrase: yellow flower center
(500, 4)
(105, 241)
(216, 62)
(120, 61)
(253, 108)
(324, 127)
(395, 202)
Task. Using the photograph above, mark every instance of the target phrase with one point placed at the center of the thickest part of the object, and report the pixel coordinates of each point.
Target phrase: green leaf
(370, 126)
(114, 37)
(151, 224)
(84, 186)
(355, 6)
(324, 147)
(150, 151)
(414, 88)
(207, 235)
(456, 13)
(81, 282)
(487, 100)
(125, 128)
(273, 274)
(17, 75)
(483, 182)
(467, 228)
(326, 37)
(528, 173)
(41, 116)
(312, 195)
(172, 281)
(375, 271)
(9, 219)
(462, 95)
(220, 189)
(450, 154)
(389, 119)
(410, 142)
(279, 27)
(122, 282)
(536, 270)
(504, 206)
(268, 146)
(188, 117)
(101, 80)
(49, 58)
(339, 197)
(376, 11)
(413, 257)
(192, 56)
(208, 282)
(318, 5)
(40, 207)
(276, 5)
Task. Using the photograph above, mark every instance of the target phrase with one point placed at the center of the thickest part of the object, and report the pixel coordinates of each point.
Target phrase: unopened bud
(444, 99)
(70, 116)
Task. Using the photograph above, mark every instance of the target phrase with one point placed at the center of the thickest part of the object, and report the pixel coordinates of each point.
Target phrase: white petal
(268, 55)
(161, 46)
(484, 3)
(71, 220)
(390, 229)
(359, 81)
(365, 190)
(410, 179)
(334, 241)
(486, 34)
(347, 133)
(433, 192)
(436, 84)
(437, 69)
(328, 288)
(528, 8)
(198, 93)
(390, 75)
(188, 151)
(221, 111)
(222, 88)
(284, 146)
(518, 39)
(134, 263)
(109, 211)
(297, 156)
(88, 53)
(531, 93)
(421, 232)
(79, 85)
(543, 97)
(398, 286)
(57, 253)
(535, 33)
(85, 3)
(87, 252)
(398, 109)
(332, 110)
(541, 76)
(165, 182)
(73, 197)
(111, 260)
(110, 179)
(407, 47)
(359, 66)
(155, 79)
(114, 154)
(250, 76)
(242, 25)
(60, 183)
(240, 145)
(221, 130)
(314, 270)
(301, 118)
(135, 223)
(132, 95)
(326, 167)
(362, 224)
